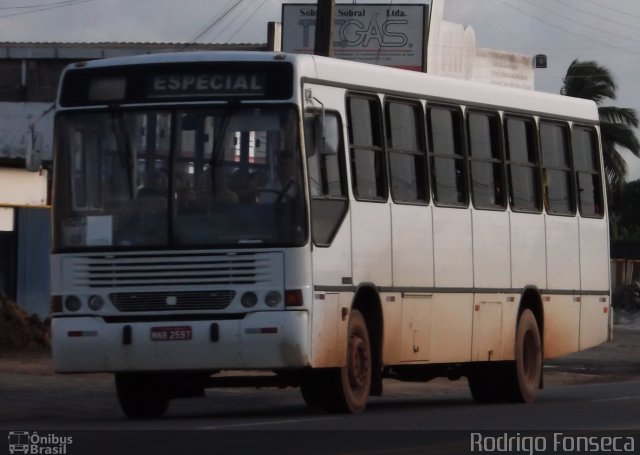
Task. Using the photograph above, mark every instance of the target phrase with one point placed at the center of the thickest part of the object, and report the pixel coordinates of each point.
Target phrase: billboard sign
(389, 35)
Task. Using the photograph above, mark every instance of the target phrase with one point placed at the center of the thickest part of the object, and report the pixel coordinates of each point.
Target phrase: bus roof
(371, 77)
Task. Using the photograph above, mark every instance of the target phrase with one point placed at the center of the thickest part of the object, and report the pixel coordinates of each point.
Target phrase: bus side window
(366, 148)
(556, 168)
(326, 171)
(407, 154)
(447, 156)
(485, 155)
(587, 169)
(522, 165)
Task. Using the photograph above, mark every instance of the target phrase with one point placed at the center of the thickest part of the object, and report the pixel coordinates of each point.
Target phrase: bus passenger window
(407, 156)
(485, 154)
(587, 169)
(367, 152)
(556, 168)
(447, 158)
(522, 165)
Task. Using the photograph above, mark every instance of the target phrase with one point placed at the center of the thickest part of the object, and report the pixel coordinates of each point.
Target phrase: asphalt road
(585, 393)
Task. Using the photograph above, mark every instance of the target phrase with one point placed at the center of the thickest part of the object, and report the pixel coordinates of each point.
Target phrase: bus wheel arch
(532, 299)
(367, 301)
(515, 380)
(348, 388)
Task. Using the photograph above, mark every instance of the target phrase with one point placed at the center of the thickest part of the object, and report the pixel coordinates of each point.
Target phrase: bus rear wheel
(527, 373)
(515, 381)
(350, 386)
(142, 396)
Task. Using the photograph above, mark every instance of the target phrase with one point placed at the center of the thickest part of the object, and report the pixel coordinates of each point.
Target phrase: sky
(607, 31)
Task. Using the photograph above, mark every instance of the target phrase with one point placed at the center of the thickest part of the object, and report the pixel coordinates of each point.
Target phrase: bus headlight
(249, 299)
(72, 303)
(96, 302)
(273, 298)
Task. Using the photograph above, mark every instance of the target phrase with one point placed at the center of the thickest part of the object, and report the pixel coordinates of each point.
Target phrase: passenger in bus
(243, 182)
(281, 188)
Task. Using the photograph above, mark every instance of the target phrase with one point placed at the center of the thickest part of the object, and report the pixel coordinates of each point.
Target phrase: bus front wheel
(350, 387)
(142, 396)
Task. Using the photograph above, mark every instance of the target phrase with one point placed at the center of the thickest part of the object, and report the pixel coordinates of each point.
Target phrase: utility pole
(325, 12)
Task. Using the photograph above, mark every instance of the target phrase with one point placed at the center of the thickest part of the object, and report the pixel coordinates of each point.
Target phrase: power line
(214, 21)
(611, 8)
(47, 8)
(231, 21)
(581, 35)
(598, 16)
(38, 6)
(247, 20)
(573, 20)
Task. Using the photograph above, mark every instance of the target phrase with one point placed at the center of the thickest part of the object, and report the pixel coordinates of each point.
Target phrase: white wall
(19, 187)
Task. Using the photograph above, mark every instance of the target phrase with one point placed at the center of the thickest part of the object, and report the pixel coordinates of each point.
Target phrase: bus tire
(348, 392)
(527, 372)
(142, 396)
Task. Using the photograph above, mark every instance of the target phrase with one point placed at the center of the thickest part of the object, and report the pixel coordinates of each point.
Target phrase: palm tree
(592, 81)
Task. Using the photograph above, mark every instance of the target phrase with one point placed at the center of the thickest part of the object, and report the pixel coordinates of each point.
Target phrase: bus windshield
(198, 177)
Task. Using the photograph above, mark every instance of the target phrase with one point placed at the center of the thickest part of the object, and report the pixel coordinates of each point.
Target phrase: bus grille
(171, 270)
(165, 301)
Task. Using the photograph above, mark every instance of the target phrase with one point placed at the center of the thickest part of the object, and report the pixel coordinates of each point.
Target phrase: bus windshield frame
(176, 177)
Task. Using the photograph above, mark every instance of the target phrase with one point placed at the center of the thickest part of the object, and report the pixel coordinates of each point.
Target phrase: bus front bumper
(261, 340)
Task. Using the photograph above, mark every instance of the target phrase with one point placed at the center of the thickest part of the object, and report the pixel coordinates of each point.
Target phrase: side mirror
(330, 135)
(322, 134)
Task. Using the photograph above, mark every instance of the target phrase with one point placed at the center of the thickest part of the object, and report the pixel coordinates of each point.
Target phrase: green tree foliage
(589, 80)
(625, 222)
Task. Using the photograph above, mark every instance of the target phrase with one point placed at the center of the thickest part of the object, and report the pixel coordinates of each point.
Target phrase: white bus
(393, 225)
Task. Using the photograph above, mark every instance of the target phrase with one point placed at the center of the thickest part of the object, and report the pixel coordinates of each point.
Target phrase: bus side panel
(528, 258)
(561, 325)
(487, 328)
(594, 255)
(452, 247)
(392, 314)
(451, 335)
(333, 263)
(328, 335)
(412, 246)
(371, 243)
(594, 320)
(417, 321)
(494, 327)
(563, 253)
(491, 250)
(594, 276)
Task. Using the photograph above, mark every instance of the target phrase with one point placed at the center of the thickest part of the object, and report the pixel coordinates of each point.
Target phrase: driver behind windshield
(281, 188)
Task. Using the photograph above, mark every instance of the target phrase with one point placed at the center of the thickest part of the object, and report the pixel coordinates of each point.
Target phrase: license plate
(182, 333)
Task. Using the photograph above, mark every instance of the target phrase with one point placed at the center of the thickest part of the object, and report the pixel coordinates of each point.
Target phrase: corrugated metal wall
(32, 293)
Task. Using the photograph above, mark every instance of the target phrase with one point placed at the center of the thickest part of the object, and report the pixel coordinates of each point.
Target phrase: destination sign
(173, 81)
(206, 84)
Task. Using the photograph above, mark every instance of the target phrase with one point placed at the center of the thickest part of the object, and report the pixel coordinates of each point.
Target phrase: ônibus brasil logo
(30, 442)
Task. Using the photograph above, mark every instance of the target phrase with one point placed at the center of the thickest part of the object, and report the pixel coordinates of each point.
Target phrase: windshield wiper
(123, 143)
